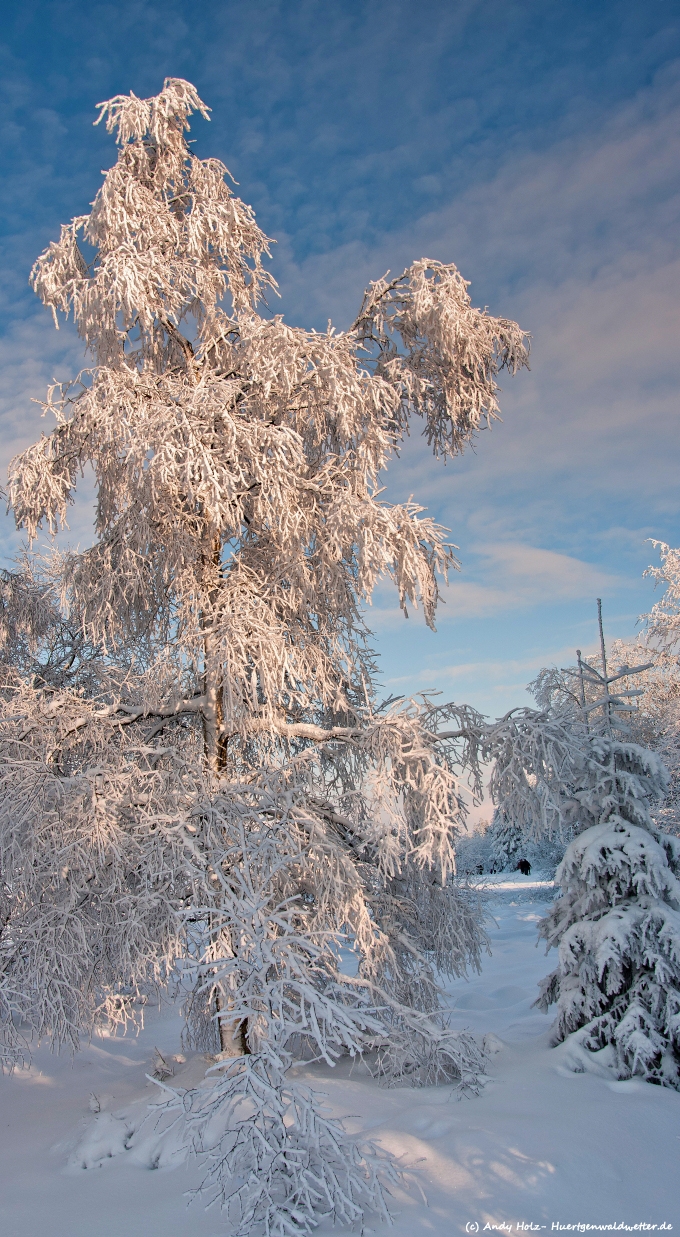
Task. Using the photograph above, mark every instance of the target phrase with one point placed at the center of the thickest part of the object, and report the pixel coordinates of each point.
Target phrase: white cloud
(528, 573)
(580, 243)
(509, 576)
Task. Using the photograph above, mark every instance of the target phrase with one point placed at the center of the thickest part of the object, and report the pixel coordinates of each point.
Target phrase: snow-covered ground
(543, 1145)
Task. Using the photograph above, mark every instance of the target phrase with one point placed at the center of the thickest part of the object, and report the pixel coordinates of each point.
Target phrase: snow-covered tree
(663, 621)
(617, 928)
(195, 763)
(479, 852)
(657, 718)
(506, 843)
(654, 721)
(473, 851)
(616, 923)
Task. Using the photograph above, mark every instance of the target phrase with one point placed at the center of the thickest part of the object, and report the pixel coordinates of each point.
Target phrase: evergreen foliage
(616, 923)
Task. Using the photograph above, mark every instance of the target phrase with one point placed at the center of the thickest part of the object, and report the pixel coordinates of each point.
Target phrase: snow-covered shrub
(290, 896)
(273, 1159)
(545, 855)
(115, 867)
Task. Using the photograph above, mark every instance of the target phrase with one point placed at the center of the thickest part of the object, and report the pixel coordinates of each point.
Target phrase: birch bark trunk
(232, 1031)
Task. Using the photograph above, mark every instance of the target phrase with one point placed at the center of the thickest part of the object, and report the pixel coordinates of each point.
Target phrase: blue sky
(535, 144)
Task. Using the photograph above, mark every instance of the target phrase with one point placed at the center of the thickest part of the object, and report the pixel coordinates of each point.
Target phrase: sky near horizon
(535, 145)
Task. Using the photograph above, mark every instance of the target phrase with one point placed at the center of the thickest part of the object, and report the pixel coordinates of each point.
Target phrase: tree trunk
(213, 711)
(233, 1032)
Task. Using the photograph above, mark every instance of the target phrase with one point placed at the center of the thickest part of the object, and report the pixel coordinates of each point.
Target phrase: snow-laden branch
(240, 532)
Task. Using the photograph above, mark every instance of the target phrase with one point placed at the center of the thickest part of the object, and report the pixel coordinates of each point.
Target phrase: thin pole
(583, 690)
(602, 648)
(603, 654)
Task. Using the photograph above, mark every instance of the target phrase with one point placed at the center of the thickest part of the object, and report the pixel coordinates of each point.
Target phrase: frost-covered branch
(195, 771)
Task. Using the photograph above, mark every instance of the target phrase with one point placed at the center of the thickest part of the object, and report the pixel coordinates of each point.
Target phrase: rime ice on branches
(206, 776)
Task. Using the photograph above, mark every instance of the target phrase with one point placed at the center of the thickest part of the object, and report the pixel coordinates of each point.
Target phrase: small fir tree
(616, 924)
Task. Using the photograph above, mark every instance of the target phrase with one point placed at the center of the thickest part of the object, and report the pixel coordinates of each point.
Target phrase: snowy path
(541, 1145)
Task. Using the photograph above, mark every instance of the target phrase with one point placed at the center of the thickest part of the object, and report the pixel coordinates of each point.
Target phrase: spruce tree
(616, 922)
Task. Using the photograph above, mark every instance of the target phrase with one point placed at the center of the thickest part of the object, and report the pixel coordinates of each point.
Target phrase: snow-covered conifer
(507, 841)
(616, 923)
(617, 929)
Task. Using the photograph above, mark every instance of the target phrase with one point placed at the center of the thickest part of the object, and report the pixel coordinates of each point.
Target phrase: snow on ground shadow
(542, 1145)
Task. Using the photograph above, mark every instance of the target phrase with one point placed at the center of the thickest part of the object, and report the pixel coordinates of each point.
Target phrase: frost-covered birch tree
(196, 769)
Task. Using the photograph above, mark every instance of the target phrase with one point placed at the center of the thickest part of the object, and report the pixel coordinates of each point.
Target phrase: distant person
(524, 867)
